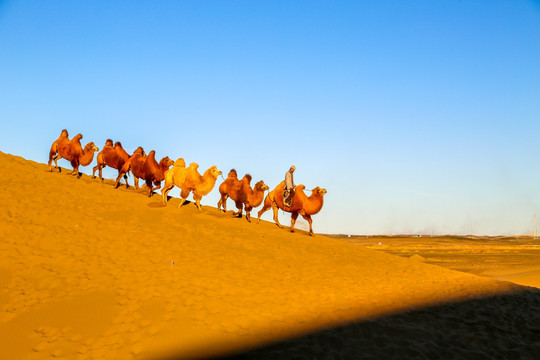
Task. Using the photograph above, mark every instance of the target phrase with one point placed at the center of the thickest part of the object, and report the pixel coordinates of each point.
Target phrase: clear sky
(416, 116)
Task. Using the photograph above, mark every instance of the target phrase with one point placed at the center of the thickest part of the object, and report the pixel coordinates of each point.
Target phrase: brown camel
(301, 204)
(189, 180)
(53, 153)
(135, 165)
(113, 156)
(241, 193)
(154, 172)
(72, 151)
(255, 197)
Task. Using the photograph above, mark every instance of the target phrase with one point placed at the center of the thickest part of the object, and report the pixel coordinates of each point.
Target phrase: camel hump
(152, 154)
(233, 174)
(300, 187)
(194, 166)
(180, 162)
(77, 137)
(108, 142)
(118, 144)
(248, 178)
(64, 133)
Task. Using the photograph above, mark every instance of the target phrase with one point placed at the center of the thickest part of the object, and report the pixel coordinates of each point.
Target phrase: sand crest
(90, 272)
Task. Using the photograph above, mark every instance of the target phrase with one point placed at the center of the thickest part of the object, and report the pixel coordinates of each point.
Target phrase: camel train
(187, 179)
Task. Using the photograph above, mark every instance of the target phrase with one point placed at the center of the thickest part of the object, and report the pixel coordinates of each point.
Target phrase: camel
(301, 204)
(154, 172)
(189, 180)
(113, 156)
(53, 153)
(135, 165)
(241, 193)
(255, 197)
(72, 151)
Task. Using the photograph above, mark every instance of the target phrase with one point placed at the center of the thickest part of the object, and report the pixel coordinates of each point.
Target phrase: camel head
(109, 142)
(214, 171)
(319, 191)
(166, 162)
(261, 186)
(91, 147)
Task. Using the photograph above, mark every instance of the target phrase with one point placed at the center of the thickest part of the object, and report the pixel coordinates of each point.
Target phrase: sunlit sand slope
(89, 272)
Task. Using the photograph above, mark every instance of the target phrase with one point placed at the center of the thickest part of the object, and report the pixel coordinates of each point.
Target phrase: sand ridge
(90, 272)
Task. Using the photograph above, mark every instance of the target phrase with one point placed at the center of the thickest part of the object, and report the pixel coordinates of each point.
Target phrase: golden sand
(90, 272)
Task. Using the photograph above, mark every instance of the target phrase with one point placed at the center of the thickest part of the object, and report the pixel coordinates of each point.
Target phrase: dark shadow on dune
(499, 327)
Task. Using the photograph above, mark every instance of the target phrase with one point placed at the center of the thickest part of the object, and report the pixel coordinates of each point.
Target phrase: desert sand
(90, 272)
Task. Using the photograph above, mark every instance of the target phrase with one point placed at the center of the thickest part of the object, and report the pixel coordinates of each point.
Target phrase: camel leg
(248, 212)
(183, 196)
(75, 170)
(294, 216)
(276, 209)
(150, 188)
(182, 201)
(219, 203)
(126, 180)
(262, 211)
(101, 172)
(136, 181)
(308, 219)
(166, 188)
(56, 158)
(118, 180)
(52, 155)
(223, 202)
(197, 199)
(240, 207)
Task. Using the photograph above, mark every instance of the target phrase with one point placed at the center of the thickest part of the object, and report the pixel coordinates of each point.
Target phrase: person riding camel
(288, 194)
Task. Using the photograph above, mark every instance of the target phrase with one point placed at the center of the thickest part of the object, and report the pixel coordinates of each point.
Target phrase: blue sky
(417, 116)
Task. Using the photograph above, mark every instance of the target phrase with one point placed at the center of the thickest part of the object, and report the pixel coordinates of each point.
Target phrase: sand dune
(89, 272)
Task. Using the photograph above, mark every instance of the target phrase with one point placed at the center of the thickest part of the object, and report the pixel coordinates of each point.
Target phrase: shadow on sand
(498, 327)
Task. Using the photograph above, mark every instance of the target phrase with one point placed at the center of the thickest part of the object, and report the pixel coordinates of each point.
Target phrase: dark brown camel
(146, 168)
(154, 172)
(135, 165)
(113, 156)
(241, 193)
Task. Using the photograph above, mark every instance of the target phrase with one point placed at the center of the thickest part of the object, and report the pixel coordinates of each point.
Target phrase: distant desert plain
(92, 272)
